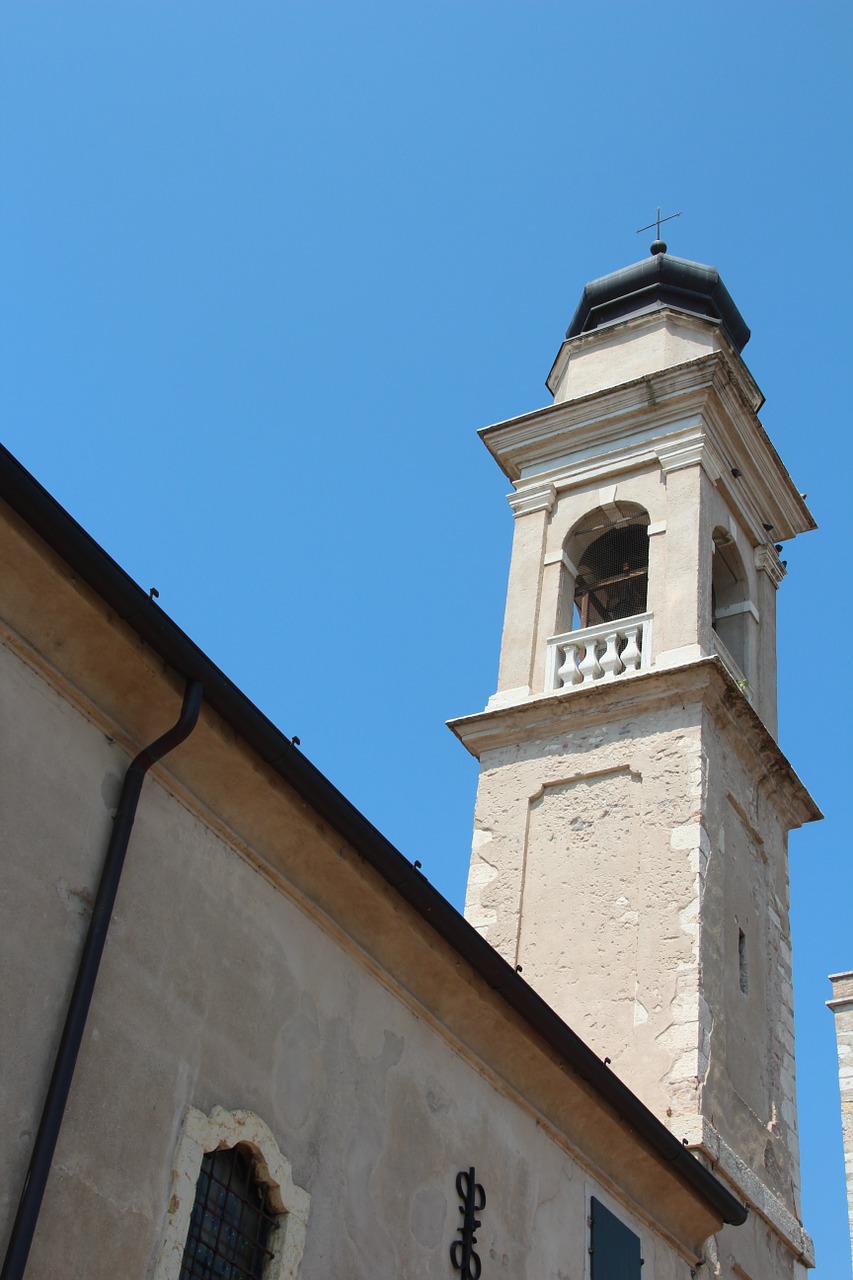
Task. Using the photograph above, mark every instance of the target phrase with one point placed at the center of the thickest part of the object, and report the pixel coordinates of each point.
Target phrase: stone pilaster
(841, 1005)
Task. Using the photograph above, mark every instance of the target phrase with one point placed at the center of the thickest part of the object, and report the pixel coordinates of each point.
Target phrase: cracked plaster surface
(660, 994)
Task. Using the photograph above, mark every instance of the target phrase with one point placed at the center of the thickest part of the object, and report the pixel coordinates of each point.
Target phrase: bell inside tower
(612, 557)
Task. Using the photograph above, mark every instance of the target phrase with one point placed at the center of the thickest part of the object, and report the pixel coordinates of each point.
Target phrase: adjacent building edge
(841, 1005)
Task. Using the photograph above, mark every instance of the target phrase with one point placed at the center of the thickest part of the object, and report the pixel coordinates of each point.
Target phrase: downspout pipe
(87, 973)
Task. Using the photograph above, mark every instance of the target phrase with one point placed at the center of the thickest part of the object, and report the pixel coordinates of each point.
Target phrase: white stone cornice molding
(587, 471)
(560, 557)
(540, 497)
(842, 991)
(743, 606)
(767, 559)
(690, 450)
(598, 436)
(508, 697)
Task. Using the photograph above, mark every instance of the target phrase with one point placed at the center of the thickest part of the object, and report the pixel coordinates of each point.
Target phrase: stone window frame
(222, 1130)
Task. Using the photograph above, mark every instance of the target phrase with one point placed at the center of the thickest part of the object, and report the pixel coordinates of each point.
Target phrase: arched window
(729, 604)
(235, 1212)
(231, 1221)
(611, 552)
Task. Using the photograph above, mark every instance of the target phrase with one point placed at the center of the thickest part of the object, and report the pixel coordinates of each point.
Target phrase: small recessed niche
(743, 970)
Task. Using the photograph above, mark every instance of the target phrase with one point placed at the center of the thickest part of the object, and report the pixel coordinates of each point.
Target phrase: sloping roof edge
(52, 523)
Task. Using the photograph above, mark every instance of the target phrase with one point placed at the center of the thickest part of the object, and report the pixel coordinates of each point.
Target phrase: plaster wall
(519, 647)
(585, 871)
(609, 356)
(221, 987)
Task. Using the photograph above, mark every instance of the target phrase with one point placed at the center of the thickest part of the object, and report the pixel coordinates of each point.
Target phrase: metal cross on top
(659, 246)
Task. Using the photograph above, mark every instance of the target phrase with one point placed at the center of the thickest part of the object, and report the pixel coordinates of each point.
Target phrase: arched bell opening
(729, 599)
(610, 550)
(605, 589)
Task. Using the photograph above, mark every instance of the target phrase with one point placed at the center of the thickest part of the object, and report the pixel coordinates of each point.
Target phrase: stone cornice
(725, 1163)
(560, 557)
(704, 682)
(538, 497)
(767, 559)
(596, 422)
(702, 405)
(842, 991)
(695, 449)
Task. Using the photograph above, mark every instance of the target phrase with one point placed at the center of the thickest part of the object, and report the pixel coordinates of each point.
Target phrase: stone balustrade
(604, 652)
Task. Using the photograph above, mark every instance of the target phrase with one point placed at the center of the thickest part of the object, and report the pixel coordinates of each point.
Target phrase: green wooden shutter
(614, 1248)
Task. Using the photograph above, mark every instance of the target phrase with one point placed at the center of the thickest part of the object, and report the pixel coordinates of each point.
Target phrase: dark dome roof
(659, 281)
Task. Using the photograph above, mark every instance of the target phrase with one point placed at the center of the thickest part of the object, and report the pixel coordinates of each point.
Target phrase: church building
(242, 1035)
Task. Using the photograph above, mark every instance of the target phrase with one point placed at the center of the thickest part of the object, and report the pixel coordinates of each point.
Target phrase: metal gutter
(29, 1205)
(130, 602)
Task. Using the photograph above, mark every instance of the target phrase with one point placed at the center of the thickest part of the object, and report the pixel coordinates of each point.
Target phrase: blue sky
(266, 268)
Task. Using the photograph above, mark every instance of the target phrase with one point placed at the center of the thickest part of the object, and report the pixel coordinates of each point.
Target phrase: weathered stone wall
(748, 1080)
(630, 852)
(584, 872)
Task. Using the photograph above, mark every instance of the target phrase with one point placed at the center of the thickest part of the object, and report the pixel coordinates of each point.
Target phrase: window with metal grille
(231, 1221)
(614, 1249)
(613, 570)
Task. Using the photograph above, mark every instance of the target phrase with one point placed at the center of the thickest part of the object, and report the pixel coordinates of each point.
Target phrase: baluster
(631, 653)
(589, 666)
(568, 672)
(611, 663)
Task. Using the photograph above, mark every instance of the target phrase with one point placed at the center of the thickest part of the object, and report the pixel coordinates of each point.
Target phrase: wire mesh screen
(231, 1221)
(613, 571)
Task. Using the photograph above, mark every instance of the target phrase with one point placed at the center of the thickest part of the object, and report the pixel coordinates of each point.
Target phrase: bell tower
(630, 842)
